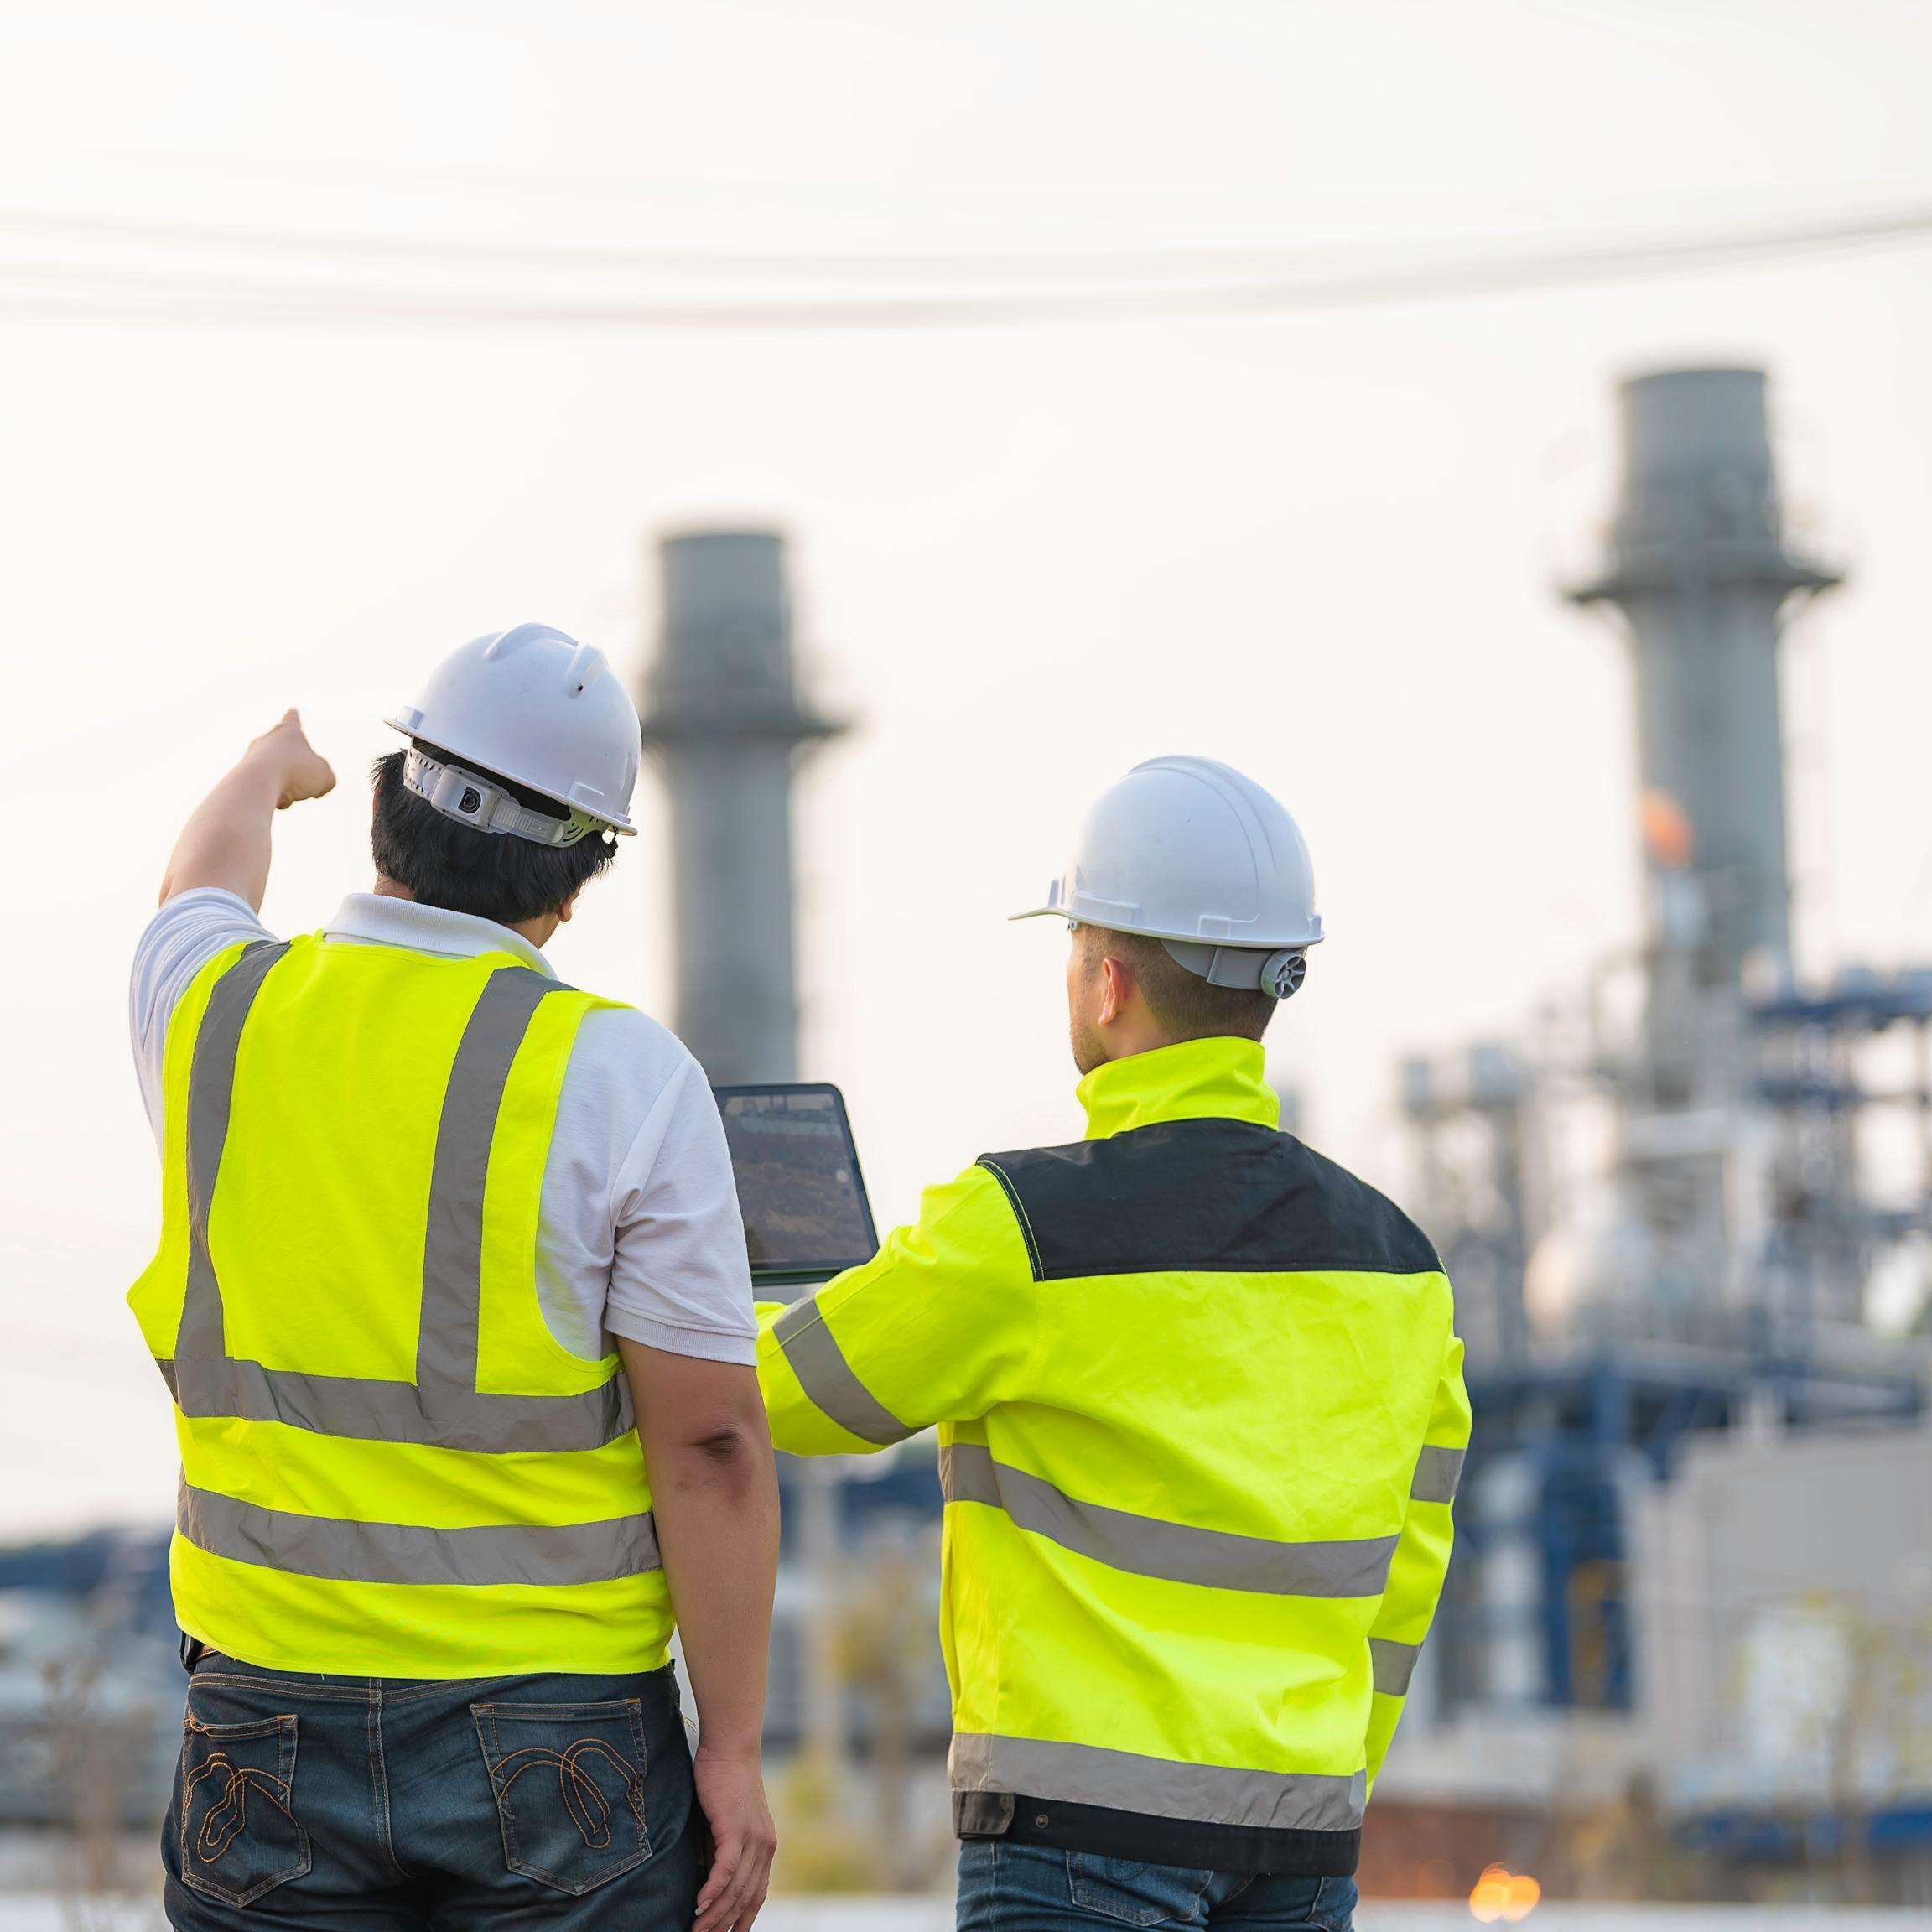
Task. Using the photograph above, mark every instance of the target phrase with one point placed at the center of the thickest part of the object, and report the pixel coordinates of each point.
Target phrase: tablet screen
(799, 1183)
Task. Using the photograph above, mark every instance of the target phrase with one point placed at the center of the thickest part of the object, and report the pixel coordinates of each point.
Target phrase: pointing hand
(299, 771)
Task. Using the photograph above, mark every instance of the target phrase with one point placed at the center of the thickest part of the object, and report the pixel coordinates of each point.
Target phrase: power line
(62, 289)
(316, 246)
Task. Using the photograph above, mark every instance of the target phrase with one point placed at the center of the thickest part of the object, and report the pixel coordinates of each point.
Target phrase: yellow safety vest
(1201, 1416)
(389, 1466)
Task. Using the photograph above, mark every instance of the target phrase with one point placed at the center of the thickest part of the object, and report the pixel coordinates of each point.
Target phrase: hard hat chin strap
(482, 804)
(1243, 969)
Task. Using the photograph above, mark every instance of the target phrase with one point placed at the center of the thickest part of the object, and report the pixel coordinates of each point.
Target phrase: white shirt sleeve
(680, 1279)
(640, 1210)
(180, 939)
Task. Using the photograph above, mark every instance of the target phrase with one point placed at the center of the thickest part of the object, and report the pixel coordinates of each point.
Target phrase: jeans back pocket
(1137, 1894)
(239, 1834)
(568, 1782)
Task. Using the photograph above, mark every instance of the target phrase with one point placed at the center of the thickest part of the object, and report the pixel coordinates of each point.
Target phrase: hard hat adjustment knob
(1282, 972)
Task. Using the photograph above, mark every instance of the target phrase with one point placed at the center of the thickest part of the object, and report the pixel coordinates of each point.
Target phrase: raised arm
(226, 840)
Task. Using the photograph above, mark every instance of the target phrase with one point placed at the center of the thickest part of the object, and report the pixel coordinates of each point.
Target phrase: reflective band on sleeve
(1437, 1472)
(827, 1378)
(1174, 1552)
(211, 1091)
(397, 1412)
(1394, 1664)
(1158, 1787)
(352, 1552)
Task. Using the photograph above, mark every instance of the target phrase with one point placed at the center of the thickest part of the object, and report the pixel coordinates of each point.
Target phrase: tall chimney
(1701, 570)
(724, 713)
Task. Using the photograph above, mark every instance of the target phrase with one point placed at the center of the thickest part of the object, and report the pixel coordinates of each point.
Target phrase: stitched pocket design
(1136, 1895)
(568, 1781)
(240, 1835)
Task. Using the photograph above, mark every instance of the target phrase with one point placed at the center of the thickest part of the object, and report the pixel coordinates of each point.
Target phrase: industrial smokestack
(724, 712)
(1701, 570)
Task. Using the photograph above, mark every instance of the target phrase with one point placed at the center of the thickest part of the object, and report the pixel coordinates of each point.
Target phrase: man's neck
(538, 931)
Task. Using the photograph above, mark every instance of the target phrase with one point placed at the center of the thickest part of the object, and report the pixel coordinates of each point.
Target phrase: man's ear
(567, 908)
(1116, 984)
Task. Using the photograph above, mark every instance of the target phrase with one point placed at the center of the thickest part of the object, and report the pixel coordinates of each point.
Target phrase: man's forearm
(714, 1496)
(716, 1507)
(228, 838)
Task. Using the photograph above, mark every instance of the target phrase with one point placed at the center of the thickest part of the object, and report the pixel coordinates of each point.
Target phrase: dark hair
(494, 875)
(1184, 1005)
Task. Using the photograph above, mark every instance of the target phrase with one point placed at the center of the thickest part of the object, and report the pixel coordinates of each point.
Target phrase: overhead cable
(145, 293)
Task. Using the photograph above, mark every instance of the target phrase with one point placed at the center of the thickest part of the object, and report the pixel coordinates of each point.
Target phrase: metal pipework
(724, 713)
(1699, 567)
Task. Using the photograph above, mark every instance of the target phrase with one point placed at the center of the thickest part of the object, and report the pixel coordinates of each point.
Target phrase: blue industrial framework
(1582, 1426)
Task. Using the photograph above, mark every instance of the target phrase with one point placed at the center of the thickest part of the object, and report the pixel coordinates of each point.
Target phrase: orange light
(1502, 1894)
(1667, 835)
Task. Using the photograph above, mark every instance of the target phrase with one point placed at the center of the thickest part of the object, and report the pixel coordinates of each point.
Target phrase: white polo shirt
(638, 1232)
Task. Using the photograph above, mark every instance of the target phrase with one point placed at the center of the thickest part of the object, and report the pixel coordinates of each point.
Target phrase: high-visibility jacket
(389, 1466)
(1201, 1416)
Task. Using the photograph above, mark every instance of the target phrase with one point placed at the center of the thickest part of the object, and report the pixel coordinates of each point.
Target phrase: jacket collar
(1219, 1079)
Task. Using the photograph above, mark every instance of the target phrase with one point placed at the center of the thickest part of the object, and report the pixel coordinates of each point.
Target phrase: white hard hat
(538, 708)
(1188, 851)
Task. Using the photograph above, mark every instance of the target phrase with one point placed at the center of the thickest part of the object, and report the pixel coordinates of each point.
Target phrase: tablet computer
(799, 1187)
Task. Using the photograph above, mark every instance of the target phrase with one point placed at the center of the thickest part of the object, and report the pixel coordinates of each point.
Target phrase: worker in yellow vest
(452, 1299)
(1201, 1416)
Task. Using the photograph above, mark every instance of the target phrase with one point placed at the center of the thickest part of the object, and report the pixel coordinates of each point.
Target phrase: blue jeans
(393, 1804)
(1008, 1887)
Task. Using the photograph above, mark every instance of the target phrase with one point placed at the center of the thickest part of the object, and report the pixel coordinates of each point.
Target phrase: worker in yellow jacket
(1201, 1417)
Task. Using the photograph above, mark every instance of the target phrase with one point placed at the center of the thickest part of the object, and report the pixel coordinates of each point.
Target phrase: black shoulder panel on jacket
(1202, 1197)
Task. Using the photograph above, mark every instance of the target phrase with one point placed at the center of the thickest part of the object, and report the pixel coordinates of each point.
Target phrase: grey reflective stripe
(1394, 1664)
(1159, 1787)
(827, 1378)
(351, 1552)
(452, 1237)
(967, 1474)
(1437, 1472)
(211, 1092)
(1175, 1552)
(397, 1412)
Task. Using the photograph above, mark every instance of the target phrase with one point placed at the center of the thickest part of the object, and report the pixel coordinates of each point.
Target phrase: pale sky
(1317, 546)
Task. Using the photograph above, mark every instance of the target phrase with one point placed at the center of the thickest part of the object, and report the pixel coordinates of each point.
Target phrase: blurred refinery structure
(723, 711)
(1700, 1485)
(1687, 1642)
